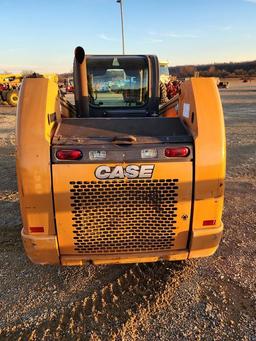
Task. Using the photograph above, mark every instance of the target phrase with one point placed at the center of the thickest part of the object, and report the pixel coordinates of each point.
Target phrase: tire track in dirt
(129, 330)
(108, 308)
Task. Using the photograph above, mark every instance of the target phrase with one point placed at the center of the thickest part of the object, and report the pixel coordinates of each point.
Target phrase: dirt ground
(206, 299)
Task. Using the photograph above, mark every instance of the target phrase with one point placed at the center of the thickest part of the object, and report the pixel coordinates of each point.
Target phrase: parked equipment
(69, 85)
(9, 88)
(117, 178)
(164, 71)
(223, 85)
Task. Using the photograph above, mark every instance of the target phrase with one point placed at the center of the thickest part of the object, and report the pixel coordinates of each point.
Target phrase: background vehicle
(118, 178)
(9, 88)
(10, 85)
(164, 71)
(223, 85)
(69, 83)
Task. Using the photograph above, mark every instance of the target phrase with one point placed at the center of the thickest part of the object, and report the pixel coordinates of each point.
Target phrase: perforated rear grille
(123, 216)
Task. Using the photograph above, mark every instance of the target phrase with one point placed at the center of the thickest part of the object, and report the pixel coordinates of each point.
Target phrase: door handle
(124, 139)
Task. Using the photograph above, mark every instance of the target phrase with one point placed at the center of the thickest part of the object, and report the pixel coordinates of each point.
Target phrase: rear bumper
(205, 242)
(124, 258)
(41, 249)
(44, 250)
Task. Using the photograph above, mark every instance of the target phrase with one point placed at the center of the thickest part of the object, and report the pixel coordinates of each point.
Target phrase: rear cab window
(117, 81)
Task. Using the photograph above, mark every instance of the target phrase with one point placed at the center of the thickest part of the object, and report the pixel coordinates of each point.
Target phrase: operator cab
(117, 101)
(118, 85)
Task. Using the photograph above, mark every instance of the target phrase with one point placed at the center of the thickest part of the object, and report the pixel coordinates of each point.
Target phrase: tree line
(222, 70)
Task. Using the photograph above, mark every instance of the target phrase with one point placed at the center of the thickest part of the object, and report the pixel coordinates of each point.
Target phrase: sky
(41, 35)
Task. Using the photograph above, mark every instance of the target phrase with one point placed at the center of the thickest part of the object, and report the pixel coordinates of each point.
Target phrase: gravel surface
(205, 299)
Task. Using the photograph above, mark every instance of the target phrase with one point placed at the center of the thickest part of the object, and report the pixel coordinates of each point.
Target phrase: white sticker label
(186, 110)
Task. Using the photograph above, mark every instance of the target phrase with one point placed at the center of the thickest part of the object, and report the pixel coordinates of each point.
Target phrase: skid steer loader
(9, 88)
(117, 178)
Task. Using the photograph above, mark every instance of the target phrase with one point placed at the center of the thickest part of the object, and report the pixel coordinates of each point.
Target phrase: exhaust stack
(80, 82)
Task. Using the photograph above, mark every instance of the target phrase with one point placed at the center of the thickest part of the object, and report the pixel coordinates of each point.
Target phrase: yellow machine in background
(164, 71)
(52, 77)
(11, 83)
(9, 86)
(11, 78)
(165, 75)
(118, 178)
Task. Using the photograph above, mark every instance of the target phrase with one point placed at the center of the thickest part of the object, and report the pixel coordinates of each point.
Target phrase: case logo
(120, 172)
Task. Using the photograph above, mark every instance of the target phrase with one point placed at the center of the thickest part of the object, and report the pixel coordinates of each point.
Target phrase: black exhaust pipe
(80, 83)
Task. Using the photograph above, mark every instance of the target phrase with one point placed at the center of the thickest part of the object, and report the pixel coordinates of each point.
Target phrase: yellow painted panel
(63, 174)
(201, 110)
(38, 99)
(41, 249)
(205, 241)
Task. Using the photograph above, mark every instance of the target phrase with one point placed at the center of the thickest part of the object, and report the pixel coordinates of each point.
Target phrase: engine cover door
(122, 208)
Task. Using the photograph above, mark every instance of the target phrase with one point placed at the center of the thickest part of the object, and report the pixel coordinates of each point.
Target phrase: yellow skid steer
(116, 177)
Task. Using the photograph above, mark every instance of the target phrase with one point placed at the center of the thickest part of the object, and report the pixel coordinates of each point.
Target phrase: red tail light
(177, 152)
(209, 222)
(36, 229)
(69, 154)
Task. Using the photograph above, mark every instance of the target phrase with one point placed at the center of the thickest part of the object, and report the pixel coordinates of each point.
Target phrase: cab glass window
(117, 81)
